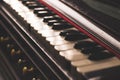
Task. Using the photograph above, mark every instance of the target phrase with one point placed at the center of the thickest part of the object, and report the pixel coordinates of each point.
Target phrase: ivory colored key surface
(44, 27)
(72, 55)
(50, 33)
(17, 6)
(55, 38)
(64, 47)
(59, 42)
(99, 66)
(80, 62)
(87, 62)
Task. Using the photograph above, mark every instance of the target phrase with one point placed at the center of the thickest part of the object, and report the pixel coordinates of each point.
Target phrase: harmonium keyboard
(60, 39)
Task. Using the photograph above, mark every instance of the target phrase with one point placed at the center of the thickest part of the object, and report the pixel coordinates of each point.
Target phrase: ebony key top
(33, 4)
(100, 55)
(51, 22)
(61, 26)
(84, 44)
(91, 50)
(73, 35)
(45, 13)
(48, 18)
(36, 10)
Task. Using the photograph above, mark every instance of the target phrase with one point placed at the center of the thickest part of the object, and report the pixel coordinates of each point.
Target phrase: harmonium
(59, 40)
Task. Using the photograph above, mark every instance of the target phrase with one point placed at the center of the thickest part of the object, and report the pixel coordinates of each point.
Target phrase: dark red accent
(81, 29)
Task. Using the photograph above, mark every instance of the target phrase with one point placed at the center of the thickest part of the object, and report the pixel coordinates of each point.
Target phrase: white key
(59, 42)
(29, 16)
(86, 62)
(18, 6)
(73, 55)
(37, 23)
(64, 47)
(99, 66)
(50, 33)
(8, 1)
(37, 26)
(55, 38)
(83, 62)
(43, 28)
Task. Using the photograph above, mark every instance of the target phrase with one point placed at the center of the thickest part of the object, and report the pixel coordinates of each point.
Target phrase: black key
(36, 10)
(100, 55)
(48, 18)
(65, 32)
(92, 50)
(51, 22)
(28, 2)
(24, 1)
(45, 13)
(84, 44)
(75, 36)
(34, 5)
(61, 26)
